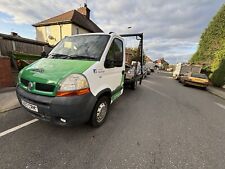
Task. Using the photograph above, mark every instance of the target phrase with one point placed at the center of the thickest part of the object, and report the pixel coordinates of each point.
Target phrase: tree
(211, 40)
(136, 54)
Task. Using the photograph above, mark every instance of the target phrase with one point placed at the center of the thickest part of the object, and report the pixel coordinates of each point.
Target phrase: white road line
(17, 127)
(220, 105)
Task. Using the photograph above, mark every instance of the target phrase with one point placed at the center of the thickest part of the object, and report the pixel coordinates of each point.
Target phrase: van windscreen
(85, 47)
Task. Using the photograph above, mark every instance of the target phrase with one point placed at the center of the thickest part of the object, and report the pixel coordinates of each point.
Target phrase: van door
(114, 68)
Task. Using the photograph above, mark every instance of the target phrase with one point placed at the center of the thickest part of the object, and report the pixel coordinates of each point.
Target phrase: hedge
(218, 76)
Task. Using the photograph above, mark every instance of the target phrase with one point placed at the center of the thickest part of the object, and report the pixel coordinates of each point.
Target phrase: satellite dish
(51, 37)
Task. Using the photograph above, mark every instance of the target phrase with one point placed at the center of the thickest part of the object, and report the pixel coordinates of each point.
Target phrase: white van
(77, 82)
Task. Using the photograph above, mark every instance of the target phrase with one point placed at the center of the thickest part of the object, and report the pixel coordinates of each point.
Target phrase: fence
(16, 47)
(10, 43)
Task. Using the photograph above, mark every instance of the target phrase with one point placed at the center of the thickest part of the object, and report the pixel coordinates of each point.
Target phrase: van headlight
(74, 84)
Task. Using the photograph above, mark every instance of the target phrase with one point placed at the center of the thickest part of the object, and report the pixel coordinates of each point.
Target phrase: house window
(77, 30)
(114, 57)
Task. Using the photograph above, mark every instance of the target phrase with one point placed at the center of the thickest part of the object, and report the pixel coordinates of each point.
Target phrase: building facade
(73, 22)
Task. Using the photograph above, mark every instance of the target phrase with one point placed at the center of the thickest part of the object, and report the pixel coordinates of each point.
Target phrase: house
(73, 22)
(161, 63)
(148, 59)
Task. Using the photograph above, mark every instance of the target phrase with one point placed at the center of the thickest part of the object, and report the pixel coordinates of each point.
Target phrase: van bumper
(73, 109)
(196, 84)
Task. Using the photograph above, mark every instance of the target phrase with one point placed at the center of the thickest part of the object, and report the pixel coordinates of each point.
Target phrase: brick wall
(6, 79)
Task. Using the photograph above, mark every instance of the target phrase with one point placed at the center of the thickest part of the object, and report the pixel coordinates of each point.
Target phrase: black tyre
(204, 88)
(100, 111)
(184, 83)
(134, 85)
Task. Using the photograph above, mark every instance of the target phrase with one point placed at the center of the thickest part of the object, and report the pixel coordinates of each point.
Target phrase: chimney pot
(84, 11)
(14, 34)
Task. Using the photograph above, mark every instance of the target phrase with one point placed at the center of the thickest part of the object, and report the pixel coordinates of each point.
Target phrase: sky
(171, 28)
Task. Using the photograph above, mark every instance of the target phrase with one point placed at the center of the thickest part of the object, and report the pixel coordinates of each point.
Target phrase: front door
(114, 68)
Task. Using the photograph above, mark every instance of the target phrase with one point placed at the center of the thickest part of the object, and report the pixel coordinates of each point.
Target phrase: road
(160, 125)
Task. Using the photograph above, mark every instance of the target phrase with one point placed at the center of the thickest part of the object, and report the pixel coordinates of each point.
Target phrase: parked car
(195, 79)
(144, 72)
(169, 69)
(182, 69)
(148, 71)
(132, 75)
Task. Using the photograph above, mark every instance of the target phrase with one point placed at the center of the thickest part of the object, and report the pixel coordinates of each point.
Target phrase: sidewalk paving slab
(8, 100)
(217, 91)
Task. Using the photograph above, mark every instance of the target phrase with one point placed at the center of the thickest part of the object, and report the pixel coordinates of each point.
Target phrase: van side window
(114, 57)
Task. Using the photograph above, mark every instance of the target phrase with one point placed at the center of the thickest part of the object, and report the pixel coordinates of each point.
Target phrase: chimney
(14, 34)
(84, 11)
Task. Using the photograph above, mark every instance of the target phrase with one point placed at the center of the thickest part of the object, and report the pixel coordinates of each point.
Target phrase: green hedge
(218, 76)
(212, 39)
(217, 59)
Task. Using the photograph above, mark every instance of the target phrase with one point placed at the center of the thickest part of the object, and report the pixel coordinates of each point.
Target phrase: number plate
(29, 106)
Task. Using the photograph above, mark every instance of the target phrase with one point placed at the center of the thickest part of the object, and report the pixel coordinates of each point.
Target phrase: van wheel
(134, 85)
(100, 111)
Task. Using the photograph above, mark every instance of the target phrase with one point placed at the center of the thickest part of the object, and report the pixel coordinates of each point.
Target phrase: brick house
(73, 22)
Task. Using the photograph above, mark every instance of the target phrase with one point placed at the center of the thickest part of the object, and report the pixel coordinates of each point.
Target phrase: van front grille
(24, 81)
(45, 87)
(39, 86)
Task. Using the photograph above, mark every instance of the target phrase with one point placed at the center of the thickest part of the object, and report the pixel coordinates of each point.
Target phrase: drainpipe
(60, 31)
(0, 47)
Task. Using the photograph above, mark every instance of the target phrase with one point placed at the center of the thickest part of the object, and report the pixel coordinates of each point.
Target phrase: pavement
(162, 124)
(217, 91)
(8, 99)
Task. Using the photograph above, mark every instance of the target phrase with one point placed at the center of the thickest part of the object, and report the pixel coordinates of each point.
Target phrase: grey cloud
(171, 28)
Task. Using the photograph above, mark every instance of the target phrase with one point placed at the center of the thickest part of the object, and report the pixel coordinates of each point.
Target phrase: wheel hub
(101, 112)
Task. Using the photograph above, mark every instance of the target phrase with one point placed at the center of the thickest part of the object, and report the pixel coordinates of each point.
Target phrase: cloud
(171, 28)
(29, 12)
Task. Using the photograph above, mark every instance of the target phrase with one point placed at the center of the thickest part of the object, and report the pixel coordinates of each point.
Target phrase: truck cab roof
(112, 34)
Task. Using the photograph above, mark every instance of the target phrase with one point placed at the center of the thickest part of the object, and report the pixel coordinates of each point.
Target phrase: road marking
(220, 105)
(17, 127)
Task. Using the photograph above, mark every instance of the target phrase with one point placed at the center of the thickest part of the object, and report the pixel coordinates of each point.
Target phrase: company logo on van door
(98, 71)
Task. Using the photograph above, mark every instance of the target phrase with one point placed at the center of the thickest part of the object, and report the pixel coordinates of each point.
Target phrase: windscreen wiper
(81, 57)
(58, 56)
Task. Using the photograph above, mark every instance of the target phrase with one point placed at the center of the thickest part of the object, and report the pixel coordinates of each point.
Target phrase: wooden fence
(11, 44)
(8, 44)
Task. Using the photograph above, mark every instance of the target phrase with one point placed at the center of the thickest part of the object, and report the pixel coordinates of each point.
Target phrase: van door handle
(123, 72)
